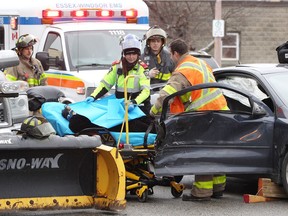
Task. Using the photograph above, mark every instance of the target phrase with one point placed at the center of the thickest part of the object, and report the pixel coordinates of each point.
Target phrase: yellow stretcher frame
(110, 189)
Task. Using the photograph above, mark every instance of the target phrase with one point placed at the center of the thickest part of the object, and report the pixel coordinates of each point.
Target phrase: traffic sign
(218, 28)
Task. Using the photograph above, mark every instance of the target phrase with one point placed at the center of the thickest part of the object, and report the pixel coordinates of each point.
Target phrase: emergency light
(14, 23)
(52, 13)
(105, 13)
(49, 16)
(132, 13)
(79, 13)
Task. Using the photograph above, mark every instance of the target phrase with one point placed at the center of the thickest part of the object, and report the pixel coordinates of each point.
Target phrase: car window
(243, 83)
(248, 84)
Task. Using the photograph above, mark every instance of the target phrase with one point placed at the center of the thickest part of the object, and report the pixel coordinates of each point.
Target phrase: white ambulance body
(78, 40)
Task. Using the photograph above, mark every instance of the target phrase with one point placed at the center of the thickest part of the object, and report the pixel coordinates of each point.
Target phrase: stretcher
(136, 148)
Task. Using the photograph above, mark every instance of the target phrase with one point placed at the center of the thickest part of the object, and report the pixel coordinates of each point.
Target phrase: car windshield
(279, 84)
(95, 48)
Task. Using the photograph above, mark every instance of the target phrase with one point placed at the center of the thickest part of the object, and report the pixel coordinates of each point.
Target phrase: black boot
(190, 197)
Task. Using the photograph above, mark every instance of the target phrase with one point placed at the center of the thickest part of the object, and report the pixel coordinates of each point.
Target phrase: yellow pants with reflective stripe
(205, 185)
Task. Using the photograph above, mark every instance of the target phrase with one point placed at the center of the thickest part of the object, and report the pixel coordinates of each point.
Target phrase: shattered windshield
(242, 83)
(88, 49)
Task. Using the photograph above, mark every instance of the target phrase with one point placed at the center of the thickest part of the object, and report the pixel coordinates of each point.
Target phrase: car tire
(284, 173)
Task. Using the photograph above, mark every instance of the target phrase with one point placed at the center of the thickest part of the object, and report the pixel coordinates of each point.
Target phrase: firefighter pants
(205, 185)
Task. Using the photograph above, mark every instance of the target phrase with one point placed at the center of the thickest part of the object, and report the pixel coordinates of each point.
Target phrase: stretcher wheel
(178, 178)
(176, 193)
(133, 192)
(150, 191)
(143, 197)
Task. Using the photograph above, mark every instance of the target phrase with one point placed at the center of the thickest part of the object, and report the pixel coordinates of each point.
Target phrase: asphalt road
(162, 203)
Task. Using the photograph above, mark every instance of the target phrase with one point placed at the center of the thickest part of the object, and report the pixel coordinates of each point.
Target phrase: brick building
(253, 28)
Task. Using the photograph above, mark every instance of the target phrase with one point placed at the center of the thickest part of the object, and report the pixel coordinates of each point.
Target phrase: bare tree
(189, 20)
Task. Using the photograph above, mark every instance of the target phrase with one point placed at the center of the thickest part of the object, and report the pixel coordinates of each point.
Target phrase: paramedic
(156, 56)
(138, 87)
(192, 71)
(29, 68)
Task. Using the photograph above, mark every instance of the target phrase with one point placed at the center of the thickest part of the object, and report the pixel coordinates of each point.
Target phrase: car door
(235, 141)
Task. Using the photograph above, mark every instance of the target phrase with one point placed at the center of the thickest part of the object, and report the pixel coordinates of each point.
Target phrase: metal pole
(217, 40)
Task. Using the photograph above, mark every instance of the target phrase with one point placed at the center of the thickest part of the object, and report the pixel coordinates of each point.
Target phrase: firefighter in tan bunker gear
(192, 71)
(29, 69)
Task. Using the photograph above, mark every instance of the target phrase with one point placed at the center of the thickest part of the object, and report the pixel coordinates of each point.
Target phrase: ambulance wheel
(176, 193)
(143, 197)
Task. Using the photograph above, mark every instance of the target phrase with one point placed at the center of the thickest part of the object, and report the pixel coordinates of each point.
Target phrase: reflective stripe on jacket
(31, 72)
(138, 86)
(196, 72)
(162, 62)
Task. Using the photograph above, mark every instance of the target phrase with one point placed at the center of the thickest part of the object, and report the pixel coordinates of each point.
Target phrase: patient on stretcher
(107, 113)
(78, 123)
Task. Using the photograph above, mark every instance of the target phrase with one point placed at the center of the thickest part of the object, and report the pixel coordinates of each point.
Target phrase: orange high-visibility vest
(197, 72)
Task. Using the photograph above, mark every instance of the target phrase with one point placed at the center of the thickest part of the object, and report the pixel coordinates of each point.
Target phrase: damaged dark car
(251, 138)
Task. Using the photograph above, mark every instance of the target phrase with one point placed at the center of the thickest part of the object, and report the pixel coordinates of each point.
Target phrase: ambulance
(78, 40)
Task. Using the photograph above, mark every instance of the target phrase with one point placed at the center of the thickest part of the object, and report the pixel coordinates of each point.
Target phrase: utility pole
(217, 37)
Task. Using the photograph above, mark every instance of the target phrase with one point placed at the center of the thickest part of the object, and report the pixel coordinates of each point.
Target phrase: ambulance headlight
(10, 87)
(19, 108)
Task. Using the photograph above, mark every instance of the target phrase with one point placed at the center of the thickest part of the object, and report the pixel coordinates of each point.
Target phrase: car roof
(206, 57)
(256, 68)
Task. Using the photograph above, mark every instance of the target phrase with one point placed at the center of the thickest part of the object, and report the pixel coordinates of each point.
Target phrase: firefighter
(29, 69)
(156, 56)
(138, 87)
(192, 71)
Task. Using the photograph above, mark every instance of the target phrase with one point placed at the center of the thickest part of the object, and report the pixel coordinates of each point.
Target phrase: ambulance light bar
(49, 15)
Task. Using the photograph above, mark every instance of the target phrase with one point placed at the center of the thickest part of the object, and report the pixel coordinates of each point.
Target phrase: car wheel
(284, 173)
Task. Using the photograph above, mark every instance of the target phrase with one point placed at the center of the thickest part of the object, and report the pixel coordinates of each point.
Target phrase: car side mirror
(43, 57)
(258, 110)
(48, 61)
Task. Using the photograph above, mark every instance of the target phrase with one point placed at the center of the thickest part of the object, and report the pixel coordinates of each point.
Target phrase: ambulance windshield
(88, 49)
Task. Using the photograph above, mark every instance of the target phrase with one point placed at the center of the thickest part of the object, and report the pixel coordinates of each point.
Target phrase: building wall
(262, 27)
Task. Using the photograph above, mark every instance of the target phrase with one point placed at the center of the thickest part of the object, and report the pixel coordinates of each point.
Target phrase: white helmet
(131, 42)
(155, 32)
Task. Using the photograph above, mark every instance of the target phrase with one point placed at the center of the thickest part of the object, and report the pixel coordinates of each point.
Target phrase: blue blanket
(107, 112)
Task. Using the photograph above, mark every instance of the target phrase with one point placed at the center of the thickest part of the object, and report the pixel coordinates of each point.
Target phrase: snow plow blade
(59, 173)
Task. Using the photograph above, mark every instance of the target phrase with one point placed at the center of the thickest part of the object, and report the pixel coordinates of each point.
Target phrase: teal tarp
(107, 112)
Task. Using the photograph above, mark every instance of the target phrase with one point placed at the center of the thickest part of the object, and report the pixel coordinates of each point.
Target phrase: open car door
(234, 141)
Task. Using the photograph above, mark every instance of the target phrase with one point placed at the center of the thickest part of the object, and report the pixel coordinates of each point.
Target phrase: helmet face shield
(26, 40)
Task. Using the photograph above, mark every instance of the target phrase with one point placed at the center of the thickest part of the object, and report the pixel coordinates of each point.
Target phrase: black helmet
(37, 127)
(155, 32)
(25, 41)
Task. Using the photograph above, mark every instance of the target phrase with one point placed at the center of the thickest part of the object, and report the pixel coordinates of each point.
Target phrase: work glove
(153, 112)
(89, 99)
(153, 72)
(131, 106)
(152, 115)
